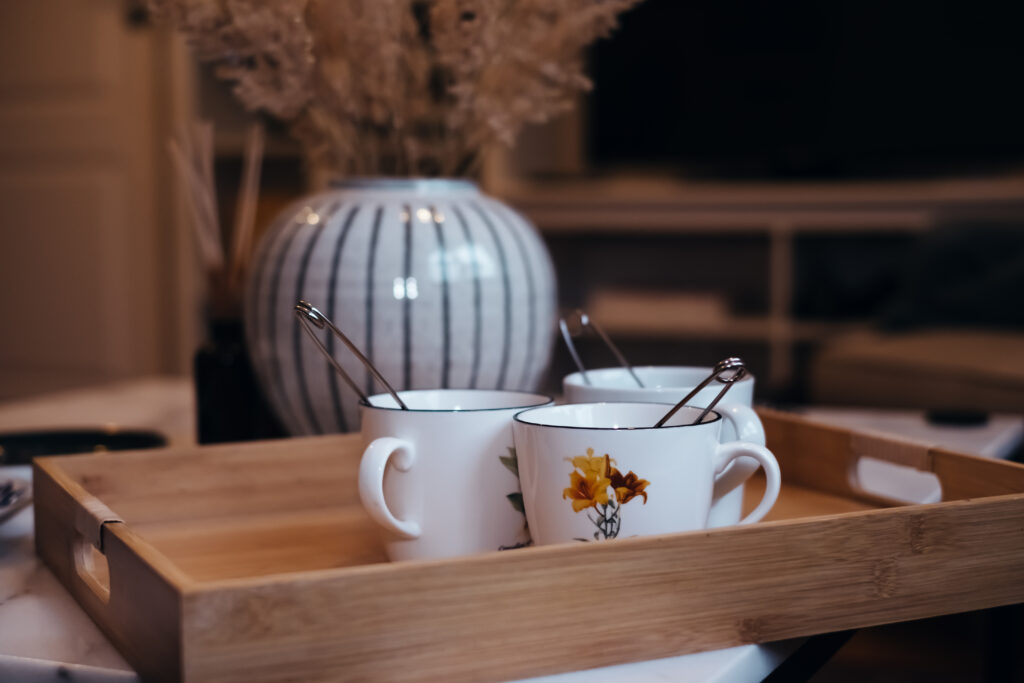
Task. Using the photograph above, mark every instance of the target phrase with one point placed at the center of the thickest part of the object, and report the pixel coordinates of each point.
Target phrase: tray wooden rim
(924, 538)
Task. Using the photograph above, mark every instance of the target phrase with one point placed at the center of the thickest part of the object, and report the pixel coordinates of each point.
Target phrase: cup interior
(459, 400)
(612, 416)
(655, 378)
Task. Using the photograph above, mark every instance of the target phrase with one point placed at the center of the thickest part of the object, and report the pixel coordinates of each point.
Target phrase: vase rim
(415, 185)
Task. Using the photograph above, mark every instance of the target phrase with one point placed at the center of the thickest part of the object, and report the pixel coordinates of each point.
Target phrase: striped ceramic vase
(438, 284)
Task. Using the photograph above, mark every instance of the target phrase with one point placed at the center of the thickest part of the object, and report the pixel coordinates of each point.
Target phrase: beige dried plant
(399, 87)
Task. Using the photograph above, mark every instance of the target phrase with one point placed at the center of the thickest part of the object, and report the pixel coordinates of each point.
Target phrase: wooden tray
(256, 562)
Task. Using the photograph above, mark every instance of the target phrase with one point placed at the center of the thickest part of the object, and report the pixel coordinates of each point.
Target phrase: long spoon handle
(309, 316)
(584, 321)
(733, 365)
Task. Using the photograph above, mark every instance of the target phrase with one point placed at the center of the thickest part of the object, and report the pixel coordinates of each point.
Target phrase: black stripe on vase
(407, 303)
(446, 319)
(478, 327)
(332, 291)
(297, 333)
(506, 340)
(371, 266)
(277, 378)
(510, 222)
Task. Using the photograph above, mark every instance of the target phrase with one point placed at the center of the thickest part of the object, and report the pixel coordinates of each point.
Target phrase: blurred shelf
(665, 204)
(745, 328)
(700, 315)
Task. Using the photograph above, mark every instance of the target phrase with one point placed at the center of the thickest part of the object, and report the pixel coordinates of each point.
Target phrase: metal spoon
(734, 365)
(583, 321)
(308, 314)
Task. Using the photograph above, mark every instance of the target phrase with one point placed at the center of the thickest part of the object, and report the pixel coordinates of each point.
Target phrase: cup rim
(717, 417)
(576, 378)
(546, 399)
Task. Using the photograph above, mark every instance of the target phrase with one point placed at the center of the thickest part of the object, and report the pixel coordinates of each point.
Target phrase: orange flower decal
(588, 482)
(628, 486)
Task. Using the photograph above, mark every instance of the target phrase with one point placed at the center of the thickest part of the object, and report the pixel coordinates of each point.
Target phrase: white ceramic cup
(441, 477)
(669, 384)
(595, 471)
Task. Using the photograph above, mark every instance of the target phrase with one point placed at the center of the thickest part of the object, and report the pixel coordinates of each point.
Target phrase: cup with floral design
(597, 471)
(669, 384)
(441, 478)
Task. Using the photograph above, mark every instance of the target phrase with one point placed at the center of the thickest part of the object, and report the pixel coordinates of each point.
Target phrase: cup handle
(748, 428)
(371, 482)
(729, 452)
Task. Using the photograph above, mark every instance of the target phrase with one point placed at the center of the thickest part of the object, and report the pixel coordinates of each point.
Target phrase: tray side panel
(965, 476)
(135, 605)
(562, 608)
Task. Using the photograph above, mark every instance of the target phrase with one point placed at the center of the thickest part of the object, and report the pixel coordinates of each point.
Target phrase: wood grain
(255, 562)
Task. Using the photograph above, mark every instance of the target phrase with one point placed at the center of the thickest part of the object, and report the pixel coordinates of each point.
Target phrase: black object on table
(229, 403)
(18, 448)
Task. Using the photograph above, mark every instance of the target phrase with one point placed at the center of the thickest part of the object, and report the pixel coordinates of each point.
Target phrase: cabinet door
(88, 267)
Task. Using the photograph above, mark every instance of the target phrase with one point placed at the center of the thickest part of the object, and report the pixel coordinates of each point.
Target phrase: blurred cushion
(932, 370)
(962, 276)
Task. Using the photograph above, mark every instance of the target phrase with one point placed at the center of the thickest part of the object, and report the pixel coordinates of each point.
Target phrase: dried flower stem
(245, 208)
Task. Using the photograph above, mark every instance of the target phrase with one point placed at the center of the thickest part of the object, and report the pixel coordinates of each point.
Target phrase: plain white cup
(669, 384)
(441, 478)
(596, 471)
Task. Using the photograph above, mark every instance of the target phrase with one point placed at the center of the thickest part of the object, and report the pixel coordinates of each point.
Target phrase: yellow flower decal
(589, 465)
(588, 482)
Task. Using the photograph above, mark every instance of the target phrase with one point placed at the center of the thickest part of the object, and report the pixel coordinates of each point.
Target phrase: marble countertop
(46, 636)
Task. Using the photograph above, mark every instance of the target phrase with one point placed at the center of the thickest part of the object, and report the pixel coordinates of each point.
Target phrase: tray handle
(87, 549)
(91, 566)
(825, 457)
(892, 471)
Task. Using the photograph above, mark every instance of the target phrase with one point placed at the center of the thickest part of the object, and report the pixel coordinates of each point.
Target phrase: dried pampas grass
(399, 87)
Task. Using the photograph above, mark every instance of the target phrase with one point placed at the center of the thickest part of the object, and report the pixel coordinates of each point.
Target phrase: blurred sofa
(950, 338)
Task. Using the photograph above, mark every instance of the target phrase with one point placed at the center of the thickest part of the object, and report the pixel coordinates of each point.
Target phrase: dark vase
(229, 402)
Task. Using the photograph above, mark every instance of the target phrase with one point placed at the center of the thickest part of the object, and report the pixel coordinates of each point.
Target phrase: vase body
(439, 285)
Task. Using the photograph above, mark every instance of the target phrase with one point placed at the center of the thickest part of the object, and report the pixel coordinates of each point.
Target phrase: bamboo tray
(256, 562)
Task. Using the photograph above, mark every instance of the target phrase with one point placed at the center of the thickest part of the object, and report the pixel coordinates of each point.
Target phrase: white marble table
(45, 635)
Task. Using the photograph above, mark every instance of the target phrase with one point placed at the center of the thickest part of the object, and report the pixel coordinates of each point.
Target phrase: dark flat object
(18, 448)
(957, 418)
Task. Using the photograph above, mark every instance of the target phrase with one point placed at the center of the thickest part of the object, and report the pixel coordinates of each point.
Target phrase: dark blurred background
(810, 90)
(835, 191)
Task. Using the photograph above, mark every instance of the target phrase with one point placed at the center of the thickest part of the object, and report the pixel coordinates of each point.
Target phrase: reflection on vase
(439, 285)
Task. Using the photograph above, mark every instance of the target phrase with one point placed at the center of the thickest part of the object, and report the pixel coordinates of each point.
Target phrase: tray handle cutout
(92, 568)
(87, 552)
(900, 474)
